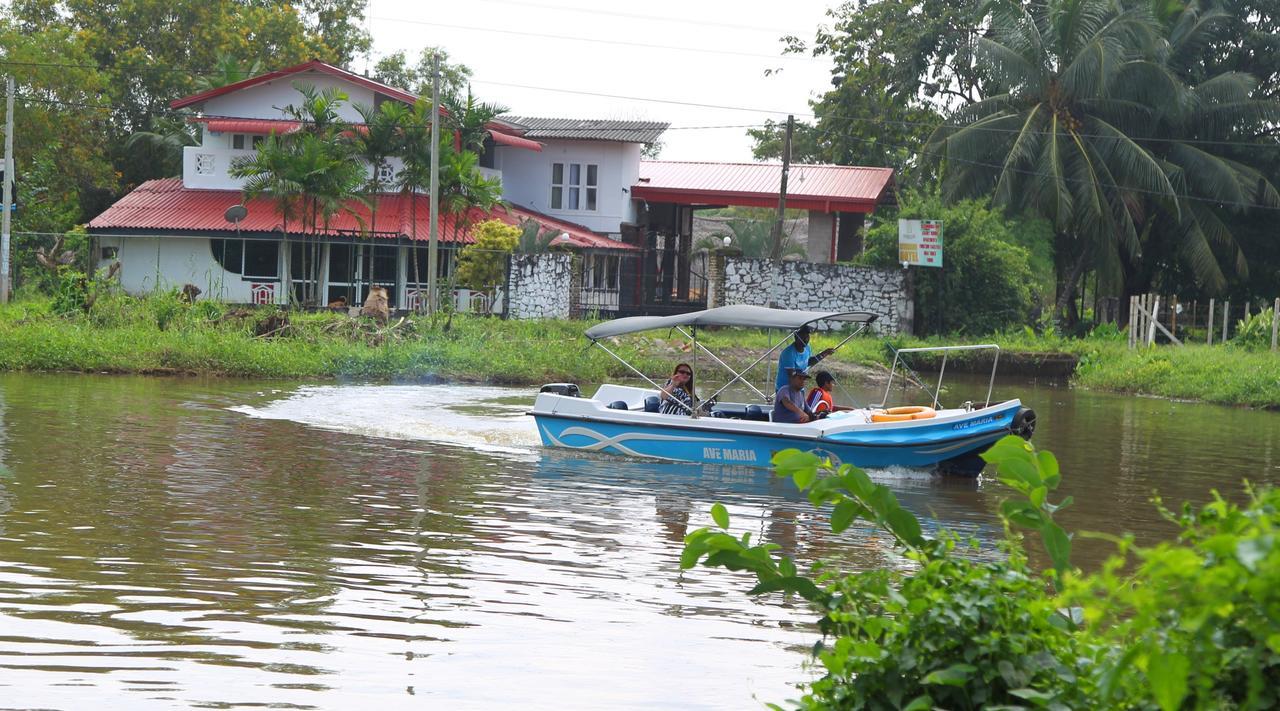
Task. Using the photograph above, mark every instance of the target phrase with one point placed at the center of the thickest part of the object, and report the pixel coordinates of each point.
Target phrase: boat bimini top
(740, 316)
(737, 316)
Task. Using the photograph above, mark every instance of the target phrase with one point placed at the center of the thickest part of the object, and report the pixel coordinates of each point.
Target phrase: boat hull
(919, 446)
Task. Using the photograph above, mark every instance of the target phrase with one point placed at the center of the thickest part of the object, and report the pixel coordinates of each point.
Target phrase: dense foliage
(997, 272)
(1144, 132)
(1187, 624)
(482, 264)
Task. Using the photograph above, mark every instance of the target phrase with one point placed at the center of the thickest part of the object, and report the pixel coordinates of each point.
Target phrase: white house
(175, 231)
(630, 218)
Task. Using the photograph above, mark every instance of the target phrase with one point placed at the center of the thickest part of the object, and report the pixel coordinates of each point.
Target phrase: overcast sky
(713, 52)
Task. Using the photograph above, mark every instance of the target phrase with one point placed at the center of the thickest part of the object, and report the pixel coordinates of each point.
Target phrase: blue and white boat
(624, 419)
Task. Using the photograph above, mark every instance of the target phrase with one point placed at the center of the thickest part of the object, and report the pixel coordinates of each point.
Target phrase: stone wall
(538, 285)
(822, 287)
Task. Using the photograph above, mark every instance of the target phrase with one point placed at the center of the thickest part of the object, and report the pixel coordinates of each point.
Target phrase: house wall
(526, 179)
(821, 287)
(151, 263)
(265, 101)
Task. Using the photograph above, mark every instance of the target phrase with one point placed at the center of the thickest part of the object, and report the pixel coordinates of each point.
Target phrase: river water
(177, 543)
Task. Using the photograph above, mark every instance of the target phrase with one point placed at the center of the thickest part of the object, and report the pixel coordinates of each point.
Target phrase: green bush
(996, 271)
(1254, 333)
(1193, 623)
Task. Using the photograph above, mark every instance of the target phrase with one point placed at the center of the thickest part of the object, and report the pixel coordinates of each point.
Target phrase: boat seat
(618, 405)
(733, 412)
(756, 413)
(652, 403)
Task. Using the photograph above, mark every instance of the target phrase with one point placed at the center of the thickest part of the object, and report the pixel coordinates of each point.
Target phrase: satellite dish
(236, 213)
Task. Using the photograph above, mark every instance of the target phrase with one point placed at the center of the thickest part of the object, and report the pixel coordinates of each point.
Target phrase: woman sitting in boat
(677, 394)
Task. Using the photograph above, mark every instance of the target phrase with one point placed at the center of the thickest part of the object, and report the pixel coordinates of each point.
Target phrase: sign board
(920, 243)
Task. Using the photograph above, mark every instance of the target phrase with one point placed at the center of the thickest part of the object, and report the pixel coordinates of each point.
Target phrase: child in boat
(677, 394)
(819, 401)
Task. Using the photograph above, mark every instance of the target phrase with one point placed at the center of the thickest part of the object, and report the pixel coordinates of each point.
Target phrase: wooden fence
(1155, 318)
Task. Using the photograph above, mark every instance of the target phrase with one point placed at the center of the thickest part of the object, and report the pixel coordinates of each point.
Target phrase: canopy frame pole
(714, 357)
(693, 394)
(757, 361)
(642, 375)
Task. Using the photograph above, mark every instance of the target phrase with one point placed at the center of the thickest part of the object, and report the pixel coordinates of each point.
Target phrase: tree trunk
(1067, 289)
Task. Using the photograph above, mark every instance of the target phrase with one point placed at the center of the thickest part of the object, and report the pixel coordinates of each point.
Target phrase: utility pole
(433, 242)
(8, 191)
(775, 253)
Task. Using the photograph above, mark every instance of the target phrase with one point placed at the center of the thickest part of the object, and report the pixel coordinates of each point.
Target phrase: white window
(237, 141)
(204, 164)
(574, 186)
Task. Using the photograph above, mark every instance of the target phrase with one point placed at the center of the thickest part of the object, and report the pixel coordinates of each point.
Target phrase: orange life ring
(903, 414)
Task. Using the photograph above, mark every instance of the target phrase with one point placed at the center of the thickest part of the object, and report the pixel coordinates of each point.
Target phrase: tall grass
(162, 334)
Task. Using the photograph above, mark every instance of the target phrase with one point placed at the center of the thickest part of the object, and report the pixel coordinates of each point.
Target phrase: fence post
(1173, 314)
(1209, 326)
(1275, 323)
(1226, 309)
(1133, 321)
(1151, 327)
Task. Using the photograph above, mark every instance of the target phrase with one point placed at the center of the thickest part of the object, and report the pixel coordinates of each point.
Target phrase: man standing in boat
(797, 356)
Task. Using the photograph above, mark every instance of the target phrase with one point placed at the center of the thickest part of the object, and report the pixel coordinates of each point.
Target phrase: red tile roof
(164, 205)
(830, 188)
(314, 65)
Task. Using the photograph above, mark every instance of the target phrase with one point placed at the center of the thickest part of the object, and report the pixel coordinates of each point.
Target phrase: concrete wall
(821, 287)
(539, 285)
(526, 179)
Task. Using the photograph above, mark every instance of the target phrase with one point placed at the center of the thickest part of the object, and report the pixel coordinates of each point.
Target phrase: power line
(611, 42)
(636, 16)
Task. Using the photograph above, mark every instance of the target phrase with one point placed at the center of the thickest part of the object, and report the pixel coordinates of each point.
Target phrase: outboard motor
(566, 389)
(1024, 423)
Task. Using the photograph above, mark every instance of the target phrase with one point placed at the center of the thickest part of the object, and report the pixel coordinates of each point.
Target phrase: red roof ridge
(761, 164)
(311, 65)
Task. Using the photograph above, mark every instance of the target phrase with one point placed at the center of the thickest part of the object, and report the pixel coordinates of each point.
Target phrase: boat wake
(483, 418)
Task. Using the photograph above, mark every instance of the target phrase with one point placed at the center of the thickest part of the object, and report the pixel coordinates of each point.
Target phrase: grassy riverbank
(162, 335)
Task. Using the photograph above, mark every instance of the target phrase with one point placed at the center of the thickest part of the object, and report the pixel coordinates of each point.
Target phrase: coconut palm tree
(1080, 87)
(227, 69)
(463, 189)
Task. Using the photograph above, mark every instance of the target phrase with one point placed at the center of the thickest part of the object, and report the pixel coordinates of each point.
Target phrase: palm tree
(470, 119)
(415, 152)
(1080, 86)
(463, 189)
(378, 141)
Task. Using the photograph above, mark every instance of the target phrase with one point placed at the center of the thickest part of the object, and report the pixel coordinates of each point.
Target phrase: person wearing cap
(797, 355)
(788, 404)
(819, 401)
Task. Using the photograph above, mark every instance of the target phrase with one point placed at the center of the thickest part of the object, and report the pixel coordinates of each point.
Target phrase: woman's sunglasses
(684, 372)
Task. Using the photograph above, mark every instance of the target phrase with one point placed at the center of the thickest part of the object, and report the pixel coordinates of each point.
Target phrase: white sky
(718, 64)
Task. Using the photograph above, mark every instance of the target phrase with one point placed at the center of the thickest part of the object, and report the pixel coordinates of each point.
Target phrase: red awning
(828, 188)
(242, 125)
(506, 139)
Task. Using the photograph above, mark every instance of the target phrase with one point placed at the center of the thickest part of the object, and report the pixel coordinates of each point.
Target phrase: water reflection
(182, 542)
